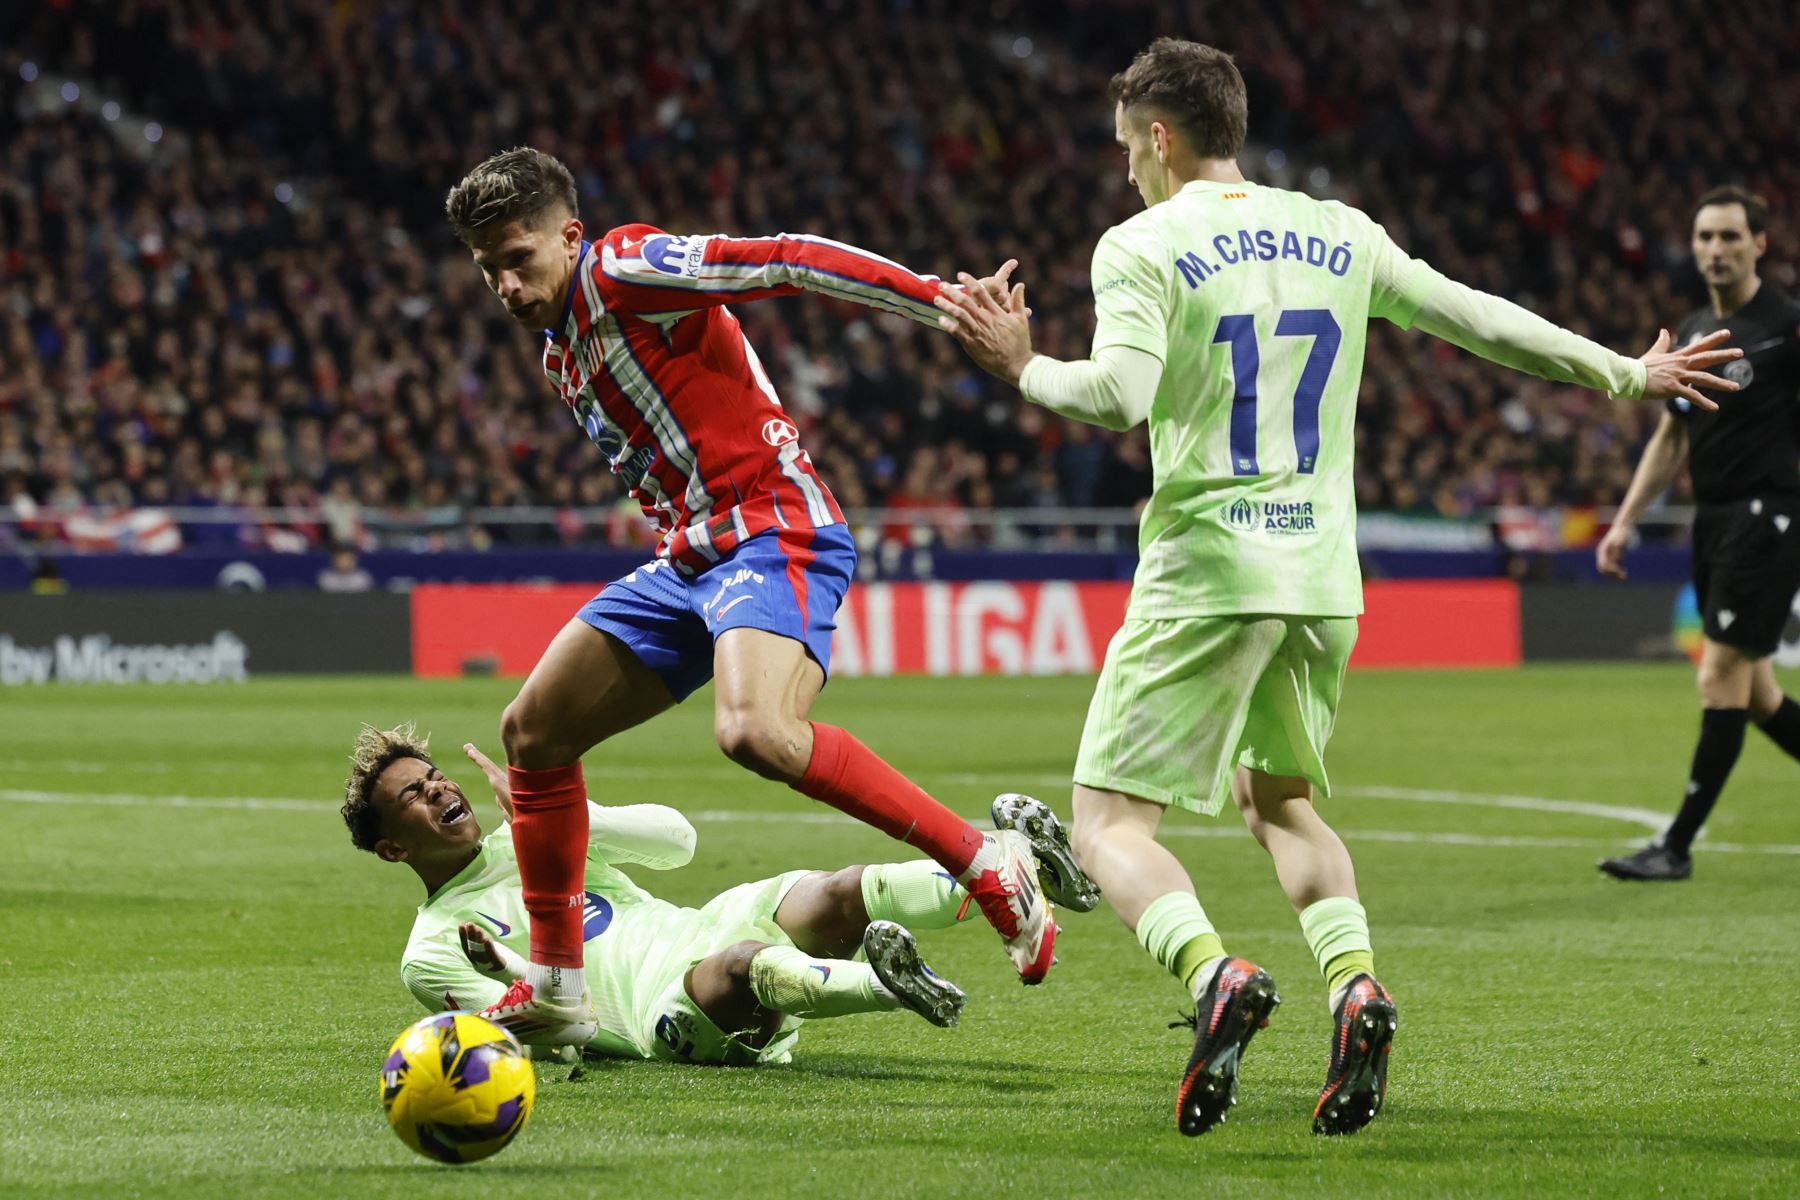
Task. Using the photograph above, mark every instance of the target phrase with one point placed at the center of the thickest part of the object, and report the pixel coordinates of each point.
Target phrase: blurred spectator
(345, 574)
(253, 300)
(46, 577)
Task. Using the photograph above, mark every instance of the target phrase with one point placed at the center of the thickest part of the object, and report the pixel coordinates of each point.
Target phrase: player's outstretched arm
(1658, 468)
(1503, 332)
(644, 835)
(646, 271)
(1113, 390)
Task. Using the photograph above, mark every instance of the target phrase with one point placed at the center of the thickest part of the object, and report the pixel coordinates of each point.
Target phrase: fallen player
(727, 983)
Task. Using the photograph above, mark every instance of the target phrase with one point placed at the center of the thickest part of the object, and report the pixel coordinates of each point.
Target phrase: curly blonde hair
(375, 751)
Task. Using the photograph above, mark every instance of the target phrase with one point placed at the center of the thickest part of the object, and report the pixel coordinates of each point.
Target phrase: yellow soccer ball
(457, 1087)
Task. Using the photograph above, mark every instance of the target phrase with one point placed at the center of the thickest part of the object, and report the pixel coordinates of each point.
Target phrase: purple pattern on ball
(475, 1068)
(505, 1123)
(440, 1148)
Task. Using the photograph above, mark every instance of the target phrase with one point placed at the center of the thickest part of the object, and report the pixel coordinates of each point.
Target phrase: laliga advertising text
(989, 628)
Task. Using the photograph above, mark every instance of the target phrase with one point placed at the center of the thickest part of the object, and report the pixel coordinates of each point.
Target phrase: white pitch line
(1231, 830)
(815, 817)
(600, 773)
(1653, 821)
(137, 800)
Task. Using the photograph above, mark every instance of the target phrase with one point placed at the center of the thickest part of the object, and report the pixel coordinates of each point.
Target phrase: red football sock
(852, 778)
(550, 838)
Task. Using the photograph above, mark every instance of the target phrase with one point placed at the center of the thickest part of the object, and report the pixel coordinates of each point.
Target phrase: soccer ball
(457, 1087)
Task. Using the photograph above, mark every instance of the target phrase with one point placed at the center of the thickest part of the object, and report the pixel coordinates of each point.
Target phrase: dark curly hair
(375, 751)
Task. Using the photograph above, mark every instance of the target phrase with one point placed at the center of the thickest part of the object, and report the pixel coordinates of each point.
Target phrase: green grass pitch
(197, 987)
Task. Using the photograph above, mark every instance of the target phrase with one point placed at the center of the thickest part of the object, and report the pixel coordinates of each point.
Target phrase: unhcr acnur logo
(1242, 514)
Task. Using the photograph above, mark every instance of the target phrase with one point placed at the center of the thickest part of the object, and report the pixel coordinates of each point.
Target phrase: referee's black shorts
(1747, 570)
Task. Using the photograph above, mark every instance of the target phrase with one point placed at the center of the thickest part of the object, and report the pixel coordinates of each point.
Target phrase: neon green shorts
(672, 1026)
(1182, 702)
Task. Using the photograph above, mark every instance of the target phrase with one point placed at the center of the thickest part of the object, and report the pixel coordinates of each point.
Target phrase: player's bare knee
(519, 734)
(735, 960)
(760, 743)
(741, 737)
(1087, 833)
(1284, 812)
(1255, 822)
(844, 898)
(531, 739)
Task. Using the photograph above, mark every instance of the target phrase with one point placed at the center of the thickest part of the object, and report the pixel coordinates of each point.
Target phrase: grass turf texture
(197, 998)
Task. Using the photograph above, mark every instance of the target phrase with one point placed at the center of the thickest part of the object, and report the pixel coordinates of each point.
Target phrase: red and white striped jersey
(660, 375)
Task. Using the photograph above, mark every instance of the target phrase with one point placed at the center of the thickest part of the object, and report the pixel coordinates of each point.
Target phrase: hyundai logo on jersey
(778, 432)
(596, 915)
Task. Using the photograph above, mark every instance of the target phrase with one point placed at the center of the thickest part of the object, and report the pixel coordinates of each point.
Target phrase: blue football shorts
(785, 581)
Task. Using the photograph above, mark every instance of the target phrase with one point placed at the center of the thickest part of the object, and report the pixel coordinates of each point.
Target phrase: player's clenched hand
(1609, 555)
(488, 956)
(997, 337)
(496, 777)
(1669, 373)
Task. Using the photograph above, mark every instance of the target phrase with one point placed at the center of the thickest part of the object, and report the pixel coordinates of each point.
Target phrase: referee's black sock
(1783, 727)
(1721, 739)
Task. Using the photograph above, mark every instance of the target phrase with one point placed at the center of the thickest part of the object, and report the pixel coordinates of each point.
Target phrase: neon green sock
(790, 981)
(918, 895)
(1175, 931)
(1345, 967)
(1337, 929)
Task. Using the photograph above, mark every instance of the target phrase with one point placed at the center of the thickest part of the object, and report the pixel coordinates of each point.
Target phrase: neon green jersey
(623, 925)
(1256, 301)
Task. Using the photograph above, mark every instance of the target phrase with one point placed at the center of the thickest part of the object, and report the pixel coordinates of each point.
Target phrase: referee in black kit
(1745, 460)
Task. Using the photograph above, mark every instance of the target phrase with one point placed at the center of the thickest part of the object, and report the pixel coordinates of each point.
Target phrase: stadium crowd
(254, 299)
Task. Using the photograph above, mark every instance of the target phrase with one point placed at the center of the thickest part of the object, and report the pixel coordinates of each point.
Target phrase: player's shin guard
(1337, 929)
(787, 980)
(918, 895)
(853, 779)
(1176, 932)
(550, 837)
